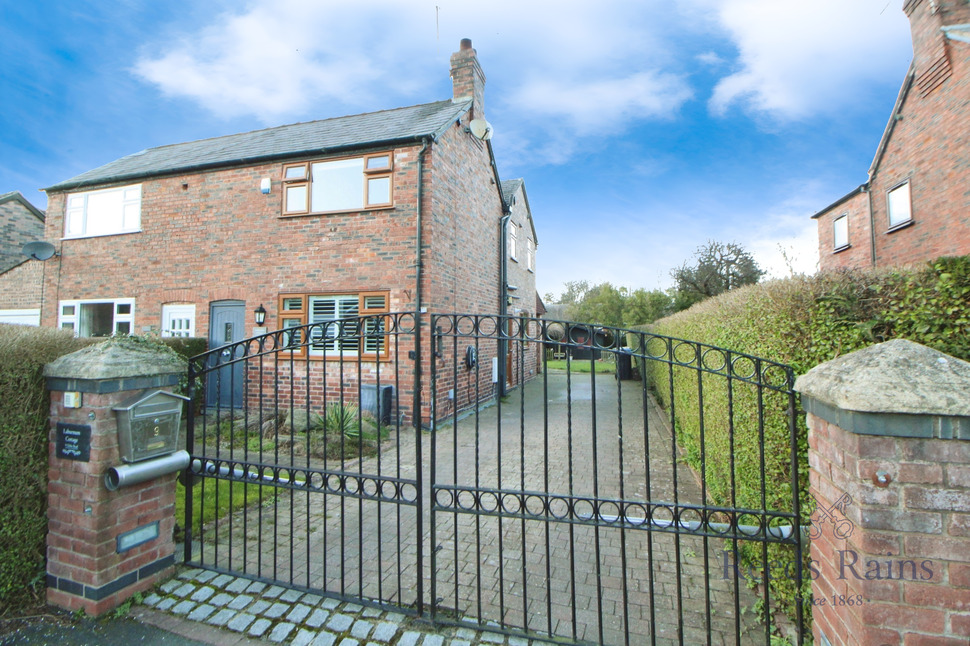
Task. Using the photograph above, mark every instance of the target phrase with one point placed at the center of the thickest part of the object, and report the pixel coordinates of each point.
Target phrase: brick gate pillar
(103, 545)
(890, 473)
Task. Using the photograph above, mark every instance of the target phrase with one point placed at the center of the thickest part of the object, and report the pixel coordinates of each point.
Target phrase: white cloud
(800, 58)
(604, 105)
(567, 64)
(284, 58)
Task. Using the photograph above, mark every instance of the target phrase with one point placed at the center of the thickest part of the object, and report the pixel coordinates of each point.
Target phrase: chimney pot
(466, 43)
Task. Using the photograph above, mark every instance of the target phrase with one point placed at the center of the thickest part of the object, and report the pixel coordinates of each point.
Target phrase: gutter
(894, 116)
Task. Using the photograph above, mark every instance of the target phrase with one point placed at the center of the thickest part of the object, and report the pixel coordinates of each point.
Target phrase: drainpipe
(872, 224)
(418, 301)
(503, 273)
(503, 303)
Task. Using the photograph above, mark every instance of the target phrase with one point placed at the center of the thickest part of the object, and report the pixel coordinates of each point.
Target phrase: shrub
(24, 411)
(801, 322)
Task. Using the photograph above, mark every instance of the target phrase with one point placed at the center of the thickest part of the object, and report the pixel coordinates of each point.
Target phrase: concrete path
(591, 584)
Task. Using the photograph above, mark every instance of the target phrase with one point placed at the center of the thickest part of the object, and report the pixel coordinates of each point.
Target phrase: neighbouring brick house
(20, 277)
(915, 205)
(312, 221)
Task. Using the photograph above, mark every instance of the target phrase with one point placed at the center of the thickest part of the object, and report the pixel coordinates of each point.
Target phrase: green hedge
(24, 406)
(801, 322)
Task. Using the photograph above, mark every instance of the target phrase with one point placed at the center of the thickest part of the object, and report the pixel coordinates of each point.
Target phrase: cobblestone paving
(585, 583)
(277, 615)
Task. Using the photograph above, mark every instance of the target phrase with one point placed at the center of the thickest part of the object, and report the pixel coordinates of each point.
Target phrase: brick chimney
(468, 79)
(930, 46)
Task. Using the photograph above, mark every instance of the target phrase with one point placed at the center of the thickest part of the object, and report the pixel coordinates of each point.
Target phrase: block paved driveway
(590, 584)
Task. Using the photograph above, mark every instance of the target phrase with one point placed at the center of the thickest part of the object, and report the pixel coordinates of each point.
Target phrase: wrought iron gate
(538, 496)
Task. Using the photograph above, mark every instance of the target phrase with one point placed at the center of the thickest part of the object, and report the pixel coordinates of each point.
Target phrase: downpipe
(132, 474)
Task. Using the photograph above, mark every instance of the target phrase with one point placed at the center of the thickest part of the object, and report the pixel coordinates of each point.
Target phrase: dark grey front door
(227, 320)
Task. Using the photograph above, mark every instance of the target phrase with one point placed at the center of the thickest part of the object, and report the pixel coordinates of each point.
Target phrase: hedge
(24, 414)
(24, 406)
(802, 322)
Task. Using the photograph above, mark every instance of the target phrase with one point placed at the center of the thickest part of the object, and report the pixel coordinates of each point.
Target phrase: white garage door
(20, 317)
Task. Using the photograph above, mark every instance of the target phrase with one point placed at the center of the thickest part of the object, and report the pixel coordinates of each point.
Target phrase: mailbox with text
(148, 425)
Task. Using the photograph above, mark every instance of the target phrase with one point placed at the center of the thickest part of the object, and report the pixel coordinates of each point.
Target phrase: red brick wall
(918, 525)
(929, 146)
(20, 287)
(859, 252)
(85, 519)
(213, 235)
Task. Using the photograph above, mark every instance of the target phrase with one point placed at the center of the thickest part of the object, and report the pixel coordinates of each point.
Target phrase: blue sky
(642, 128)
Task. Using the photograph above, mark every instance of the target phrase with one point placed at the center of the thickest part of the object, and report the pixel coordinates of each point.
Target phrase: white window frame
(899, 205)
(840, 229)
(123, 314)
(104, 212)
(513, 241)
(530, 254)
(178, 320)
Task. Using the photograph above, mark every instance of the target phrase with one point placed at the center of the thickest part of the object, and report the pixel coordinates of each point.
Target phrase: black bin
(624, 364)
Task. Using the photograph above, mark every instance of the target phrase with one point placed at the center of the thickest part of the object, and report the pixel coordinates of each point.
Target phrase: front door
(226, 325)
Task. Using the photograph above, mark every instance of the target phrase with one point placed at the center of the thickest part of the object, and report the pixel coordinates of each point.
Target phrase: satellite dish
(481, 129)
(39, 250)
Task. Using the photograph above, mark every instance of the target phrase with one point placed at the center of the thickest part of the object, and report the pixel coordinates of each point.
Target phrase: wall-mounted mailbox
(148, 425)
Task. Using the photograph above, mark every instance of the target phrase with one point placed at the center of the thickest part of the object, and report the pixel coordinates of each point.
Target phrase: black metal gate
(646, 493)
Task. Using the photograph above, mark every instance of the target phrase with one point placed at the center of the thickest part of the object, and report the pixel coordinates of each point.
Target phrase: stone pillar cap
(116, 358)
(897, 376)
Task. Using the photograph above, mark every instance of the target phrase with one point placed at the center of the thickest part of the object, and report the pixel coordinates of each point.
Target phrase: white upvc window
(97, 317)
(104, 212)
(900, 205)
(178, 320)
(513, 241)
(530, 254)
(840, 232)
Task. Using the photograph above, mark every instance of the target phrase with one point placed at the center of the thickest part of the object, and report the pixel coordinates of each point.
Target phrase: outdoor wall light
(260, 314)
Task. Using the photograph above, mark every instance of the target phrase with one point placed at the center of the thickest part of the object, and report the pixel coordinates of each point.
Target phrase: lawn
(582, 365)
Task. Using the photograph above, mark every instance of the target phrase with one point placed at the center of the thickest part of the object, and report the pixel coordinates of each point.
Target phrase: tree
(642, 307)
(717, 268)
(600, 305)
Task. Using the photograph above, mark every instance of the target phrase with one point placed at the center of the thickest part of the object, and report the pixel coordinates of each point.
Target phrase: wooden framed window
(339, 324)
(336, 185)
(530, 254)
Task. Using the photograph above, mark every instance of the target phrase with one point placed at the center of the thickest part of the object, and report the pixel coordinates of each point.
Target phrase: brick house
(915, 205)
(393, 211)
(20, 277)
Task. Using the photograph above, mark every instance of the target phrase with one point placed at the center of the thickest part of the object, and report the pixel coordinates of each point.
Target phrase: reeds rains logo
(842, 526)
(846, 564)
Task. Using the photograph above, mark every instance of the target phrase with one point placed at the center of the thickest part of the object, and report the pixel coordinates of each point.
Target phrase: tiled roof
(509, 187)
(386, 126)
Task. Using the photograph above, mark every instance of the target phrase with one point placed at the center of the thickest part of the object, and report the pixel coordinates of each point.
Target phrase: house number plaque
(73, 442)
